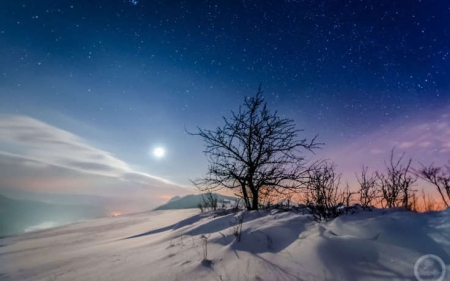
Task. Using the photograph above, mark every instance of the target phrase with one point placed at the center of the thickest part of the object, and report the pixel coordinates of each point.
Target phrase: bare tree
(439, 177)
(254, 148)
(210, 200)
(368, 188)
(396, 184)
(346, 197)
(201, 207)
(323, 194)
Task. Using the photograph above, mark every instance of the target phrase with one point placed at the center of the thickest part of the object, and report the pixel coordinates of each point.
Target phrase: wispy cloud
(426, 139)
(54, 146)
(432, 135)
(40, 144)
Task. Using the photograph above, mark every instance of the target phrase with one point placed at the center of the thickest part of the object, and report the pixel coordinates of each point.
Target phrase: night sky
(88, 89)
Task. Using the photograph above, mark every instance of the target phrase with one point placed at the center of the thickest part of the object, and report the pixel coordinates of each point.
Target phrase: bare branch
(439, 177)
(396, 184)
(255, 148)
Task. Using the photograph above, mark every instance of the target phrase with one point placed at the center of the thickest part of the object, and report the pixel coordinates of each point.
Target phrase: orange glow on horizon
(116, 214)
(166, 197)
(430, 201)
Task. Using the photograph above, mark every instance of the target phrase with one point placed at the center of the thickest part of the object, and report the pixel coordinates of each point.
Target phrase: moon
(159, 152)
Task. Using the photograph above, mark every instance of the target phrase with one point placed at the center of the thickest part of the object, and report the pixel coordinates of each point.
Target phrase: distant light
(159, 152)
(116, 214)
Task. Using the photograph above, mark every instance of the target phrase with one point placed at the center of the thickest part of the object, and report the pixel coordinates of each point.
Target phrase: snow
(168, 245)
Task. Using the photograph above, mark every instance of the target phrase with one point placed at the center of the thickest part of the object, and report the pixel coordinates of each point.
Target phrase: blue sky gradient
(124, 77)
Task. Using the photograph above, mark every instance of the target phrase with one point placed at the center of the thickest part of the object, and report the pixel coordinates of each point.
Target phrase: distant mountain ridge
(173, 199)
(190, 202)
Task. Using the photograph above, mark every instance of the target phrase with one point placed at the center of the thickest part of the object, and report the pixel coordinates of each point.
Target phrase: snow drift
(170, 245)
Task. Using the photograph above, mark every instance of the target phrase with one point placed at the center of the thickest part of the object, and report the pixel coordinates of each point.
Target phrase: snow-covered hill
(169, 245)
(191, 201)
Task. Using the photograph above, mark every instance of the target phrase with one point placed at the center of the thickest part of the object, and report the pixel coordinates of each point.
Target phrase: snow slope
(168, 245)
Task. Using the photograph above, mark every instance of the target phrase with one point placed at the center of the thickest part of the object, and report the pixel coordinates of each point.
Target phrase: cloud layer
(425, 139)
(57, 147)
(50, 145)
(38, 156)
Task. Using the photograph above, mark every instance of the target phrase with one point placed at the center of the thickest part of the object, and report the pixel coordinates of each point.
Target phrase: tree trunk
(245, 195)
(255, 205)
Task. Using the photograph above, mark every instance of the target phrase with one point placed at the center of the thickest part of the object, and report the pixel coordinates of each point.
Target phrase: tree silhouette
(254, 149)
(323, 191)
(439, 177)
(396, 183)
(368, 188)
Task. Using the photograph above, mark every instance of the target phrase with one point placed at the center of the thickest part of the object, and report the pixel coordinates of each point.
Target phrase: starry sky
(89, 88)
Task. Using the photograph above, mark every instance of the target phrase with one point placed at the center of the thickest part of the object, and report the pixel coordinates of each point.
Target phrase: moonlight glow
(159, 152)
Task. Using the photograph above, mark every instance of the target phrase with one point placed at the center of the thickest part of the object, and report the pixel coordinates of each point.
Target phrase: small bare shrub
(439, 177)
(237, 228)
(368, 188)
(205, 247)
(396, 183)
(346, 198)
(201, 207)
(212, 200)
(323, 194)
(209, 202)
